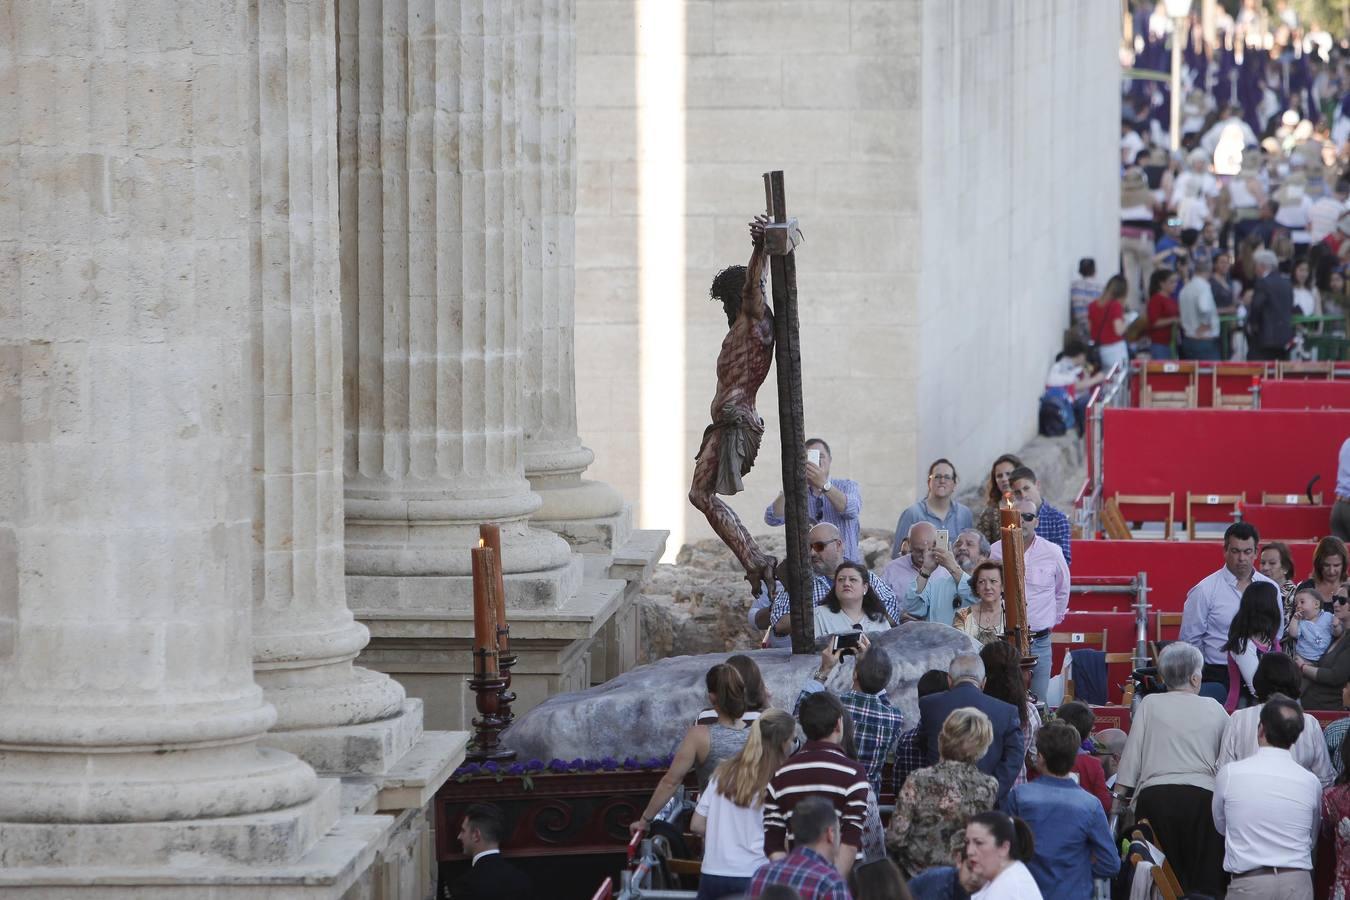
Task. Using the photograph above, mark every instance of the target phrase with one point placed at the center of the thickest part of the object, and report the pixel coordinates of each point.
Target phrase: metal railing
(635, 883)
(1118, 584)
(1113, 391)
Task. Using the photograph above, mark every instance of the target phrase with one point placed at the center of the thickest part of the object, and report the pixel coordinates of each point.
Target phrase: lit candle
(484, 612)
(490, 536)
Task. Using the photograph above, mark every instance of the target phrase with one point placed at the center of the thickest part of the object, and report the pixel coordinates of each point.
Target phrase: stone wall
(936, 157)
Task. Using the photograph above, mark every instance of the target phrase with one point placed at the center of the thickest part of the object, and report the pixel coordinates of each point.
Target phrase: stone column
(127, 698)
(429, 166)
(304, 637)
(588, 513)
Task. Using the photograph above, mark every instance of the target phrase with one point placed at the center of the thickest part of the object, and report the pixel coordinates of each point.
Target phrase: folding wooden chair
(1202, 500)
(1111, 659)
(1149, 396)
(1168, 500)
(1080, 638)
(1164, 876)
(1290, 499)
(1303, 369)
(1236, 399)
(1165, 620)
(1113, 523)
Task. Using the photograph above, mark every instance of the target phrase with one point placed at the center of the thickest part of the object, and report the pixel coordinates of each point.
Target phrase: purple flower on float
(631, 763)
(609, 763)
(516, 769)
(557, 765)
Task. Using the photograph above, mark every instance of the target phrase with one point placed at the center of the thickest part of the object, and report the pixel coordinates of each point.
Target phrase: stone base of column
(342, 865)
(590, 637)
(376, 596)
(335, 847)
(590, 515)
(263, 839)
(369, 748)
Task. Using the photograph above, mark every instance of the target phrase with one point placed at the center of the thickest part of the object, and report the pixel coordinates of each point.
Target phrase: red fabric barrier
(1173, 567)
(1289, 523)
(1305, 394)
(1212, 451)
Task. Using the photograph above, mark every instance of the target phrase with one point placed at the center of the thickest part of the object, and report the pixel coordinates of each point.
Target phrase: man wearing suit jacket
(1270, 323)
(491, 877)
(1006, 754)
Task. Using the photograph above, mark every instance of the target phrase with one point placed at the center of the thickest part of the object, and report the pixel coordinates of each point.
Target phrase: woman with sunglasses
(852, 604)
(1322, 683)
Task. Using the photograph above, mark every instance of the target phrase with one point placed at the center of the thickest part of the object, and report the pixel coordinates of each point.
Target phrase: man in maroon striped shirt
(819, 769)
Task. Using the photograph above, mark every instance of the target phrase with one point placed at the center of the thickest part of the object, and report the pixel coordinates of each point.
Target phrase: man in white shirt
(1047, 590)
(1268, 809)
(1211, 604)
(1199, 315)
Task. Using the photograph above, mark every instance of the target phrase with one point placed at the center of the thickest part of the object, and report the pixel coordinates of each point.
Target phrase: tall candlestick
(484, 611)
(490, 536)
(1014, 575)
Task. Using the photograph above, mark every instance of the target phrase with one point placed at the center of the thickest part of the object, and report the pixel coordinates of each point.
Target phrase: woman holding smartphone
(852, 604)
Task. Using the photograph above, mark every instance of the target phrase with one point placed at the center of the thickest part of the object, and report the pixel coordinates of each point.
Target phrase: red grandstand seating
(1158, 451)
(1231, 383)
(1280, 522)
(1303, 394)
(1173, 567)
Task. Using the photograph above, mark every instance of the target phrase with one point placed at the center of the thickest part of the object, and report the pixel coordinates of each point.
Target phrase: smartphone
(943, 540)
(813, 456)
(847, 643)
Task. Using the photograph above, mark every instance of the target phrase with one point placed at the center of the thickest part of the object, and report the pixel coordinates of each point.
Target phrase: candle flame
(1007, 500)
(481, 543)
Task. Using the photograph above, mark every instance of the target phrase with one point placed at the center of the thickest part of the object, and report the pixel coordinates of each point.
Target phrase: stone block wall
(948, 161)
(1019, 182)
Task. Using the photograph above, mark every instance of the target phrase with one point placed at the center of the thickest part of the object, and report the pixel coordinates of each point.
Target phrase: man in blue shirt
(1073, 840)
(837, 501)
(1053, 524)
(939, 508)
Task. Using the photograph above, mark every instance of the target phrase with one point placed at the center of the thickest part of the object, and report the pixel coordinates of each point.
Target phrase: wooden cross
(781, 239)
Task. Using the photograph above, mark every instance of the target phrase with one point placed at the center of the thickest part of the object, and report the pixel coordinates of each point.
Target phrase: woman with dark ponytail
(704, 746)
(998, 846)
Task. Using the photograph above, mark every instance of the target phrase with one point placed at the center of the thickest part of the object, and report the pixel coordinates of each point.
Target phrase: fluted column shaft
(546, 86)
(126, 684)
(304, 636)
(429, 160)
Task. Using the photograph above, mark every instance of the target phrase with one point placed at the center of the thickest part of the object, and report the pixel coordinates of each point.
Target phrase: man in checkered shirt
(1052, 524)
(809, 869)
(876, 724)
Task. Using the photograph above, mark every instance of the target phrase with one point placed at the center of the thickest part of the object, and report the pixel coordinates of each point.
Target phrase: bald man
(1047, 590)
(901, 572)
(825, 548)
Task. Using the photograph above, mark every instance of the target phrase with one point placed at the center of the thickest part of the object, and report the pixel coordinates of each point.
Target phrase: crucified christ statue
(731, 442)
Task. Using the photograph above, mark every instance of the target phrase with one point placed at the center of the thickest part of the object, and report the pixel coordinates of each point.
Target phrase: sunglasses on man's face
(1339, 600)
(819, 546)
(1029, 517)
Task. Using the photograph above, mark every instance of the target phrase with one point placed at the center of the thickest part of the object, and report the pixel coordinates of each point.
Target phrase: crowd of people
(946, 560)
(1247, 218)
